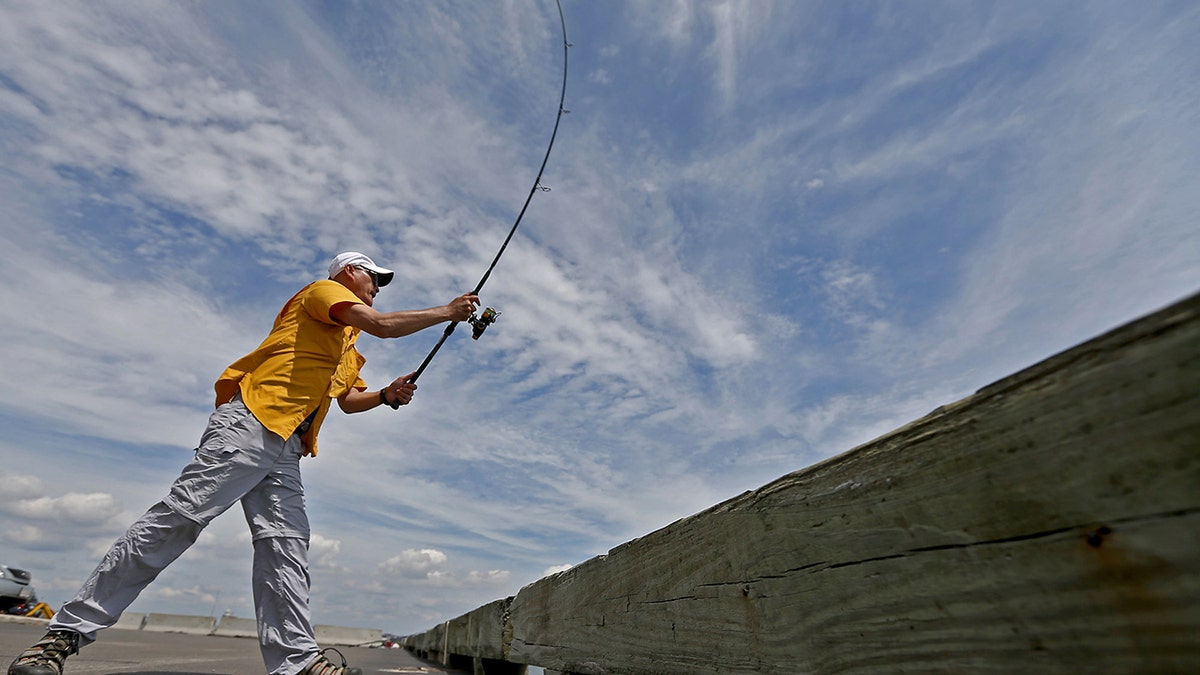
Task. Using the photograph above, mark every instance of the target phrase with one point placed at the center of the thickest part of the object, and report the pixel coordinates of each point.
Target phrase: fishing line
(488, 315)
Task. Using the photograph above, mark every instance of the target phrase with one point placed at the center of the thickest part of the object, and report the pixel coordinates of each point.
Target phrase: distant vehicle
(14, 587)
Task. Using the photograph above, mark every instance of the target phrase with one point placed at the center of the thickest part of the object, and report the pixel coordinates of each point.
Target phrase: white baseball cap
(341, 260)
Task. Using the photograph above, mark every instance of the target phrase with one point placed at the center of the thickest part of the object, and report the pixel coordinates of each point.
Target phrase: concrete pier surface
(135, 652)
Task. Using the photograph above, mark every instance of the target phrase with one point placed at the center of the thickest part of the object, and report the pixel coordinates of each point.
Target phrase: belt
(304, 426)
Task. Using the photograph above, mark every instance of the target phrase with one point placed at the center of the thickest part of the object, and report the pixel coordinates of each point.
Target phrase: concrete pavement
(135, 652)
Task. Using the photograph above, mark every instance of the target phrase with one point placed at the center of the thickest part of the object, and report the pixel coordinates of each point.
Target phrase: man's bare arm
(405, 322)
(400, 391)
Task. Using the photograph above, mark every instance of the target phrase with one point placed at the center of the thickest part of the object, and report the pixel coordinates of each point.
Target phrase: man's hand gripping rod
(488, 316)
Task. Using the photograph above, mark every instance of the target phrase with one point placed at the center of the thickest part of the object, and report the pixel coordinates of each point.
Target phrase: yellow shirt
(306, 361)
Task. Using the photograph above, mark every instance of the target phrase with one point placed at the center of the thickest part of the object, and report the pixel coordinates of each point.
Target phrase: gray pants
(237, 460)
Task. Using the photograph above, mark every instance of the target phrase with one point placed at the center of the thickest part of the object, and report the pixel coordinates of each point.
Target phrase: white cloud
(429, 567)
(472, 579)
(27, 535)
(488, 578)
(414, 563)
(323, 551)
(600, 76)
(19, 486)
(555, 569)
(194, 595)
(96, 507)
(796, 227)
(113, 349)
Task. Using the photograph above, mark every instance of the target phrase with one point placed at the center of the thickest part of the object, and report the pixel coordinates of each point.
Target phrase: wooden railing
(1049, 523)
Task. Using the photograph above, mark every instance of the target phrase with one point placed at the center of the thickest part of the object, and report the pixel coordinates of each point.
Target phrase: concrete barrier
(232, 626)
(26, 620)
(179, 623)
(344, 636)
(130, 621)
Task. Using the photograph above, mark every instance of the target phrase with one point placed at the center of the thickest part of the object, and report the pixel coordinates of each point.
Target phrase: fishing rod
(488, 316)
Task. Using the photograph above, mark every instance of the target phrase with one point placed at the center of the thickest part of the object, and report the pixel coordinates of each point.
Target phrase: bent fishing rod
(488, 316)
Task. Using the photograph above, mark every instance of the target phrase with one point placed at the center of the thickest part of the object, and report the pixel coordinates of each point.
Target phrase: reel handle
(486, 318)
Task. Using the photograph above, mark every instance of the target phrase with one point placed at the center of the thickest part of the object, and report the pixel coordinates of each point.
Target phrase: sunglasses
(373, 275)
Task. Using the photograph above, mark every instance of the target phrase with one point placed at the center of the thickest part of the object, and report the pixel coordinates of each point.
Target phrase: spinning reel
(480, 324)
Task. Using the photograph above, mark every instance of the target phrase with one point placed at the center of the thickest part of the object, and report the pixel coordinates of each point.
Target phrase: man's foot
(47, 656)
(322, 666)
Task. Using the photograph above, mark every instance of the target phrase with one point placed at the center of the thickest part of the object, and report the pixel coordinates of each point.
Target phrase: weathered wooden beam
(428, 645)
(484, 632)
(1048, 523)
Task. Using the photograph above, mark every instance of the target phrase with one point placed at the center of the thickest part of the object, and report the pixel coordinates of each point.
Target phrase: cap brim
(383, 274)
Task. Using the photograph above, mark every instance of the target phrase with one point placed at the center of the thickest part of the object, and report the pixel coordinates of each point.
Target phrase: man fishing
(269, 408)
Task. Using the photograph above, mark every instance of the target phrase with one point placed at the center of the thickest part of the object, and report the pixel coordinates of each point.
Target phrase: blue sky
(775, 231)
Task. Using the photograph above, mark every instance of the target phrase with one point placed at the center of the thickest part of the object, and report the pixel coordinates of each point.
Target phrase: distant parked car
(14, 587)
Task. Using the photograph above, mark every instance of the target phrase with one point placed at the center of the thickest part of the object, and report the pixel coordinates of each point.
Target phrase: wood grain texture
(1048, 523)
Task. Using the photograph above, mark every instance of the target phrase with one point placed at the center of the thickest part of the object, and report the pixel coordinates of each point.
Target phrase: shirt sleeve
(347, 376)
(323, 296)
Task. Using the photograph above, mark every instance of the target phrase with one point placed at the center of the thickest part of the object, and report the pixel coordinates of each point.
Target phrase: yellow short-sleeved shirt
(306, 361)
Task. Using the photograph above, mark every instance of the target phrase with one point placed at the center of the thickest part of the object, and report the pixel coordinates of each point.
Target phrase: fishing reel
(480, 324)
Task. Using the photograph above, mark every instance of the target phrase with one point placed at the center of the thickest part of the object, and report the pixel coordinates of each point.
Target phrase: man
(270, 406)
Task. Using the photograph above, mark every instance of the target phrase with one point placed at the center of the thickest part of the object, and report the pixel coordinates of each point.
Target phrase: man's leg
(285, 631)
(278, 523)
(281, 584)
(147, 547)
(279, 527)
(154, 541)
(230, 461)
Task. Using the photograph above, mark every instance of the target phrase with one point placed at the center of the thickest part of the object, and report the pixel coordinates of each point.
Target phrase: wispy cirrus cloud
(775, 231)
